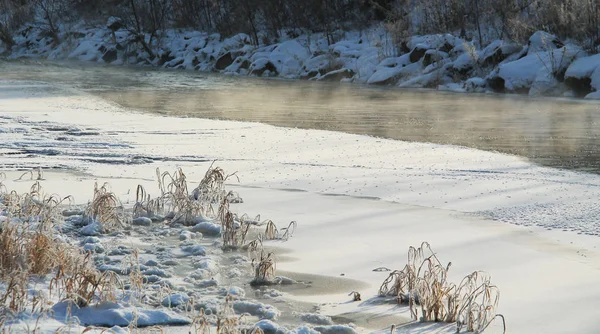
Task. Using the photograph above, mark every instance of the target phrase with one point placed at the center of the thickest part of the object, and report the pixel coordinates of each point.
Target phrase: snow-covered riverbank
(545, 66)
(443, 195)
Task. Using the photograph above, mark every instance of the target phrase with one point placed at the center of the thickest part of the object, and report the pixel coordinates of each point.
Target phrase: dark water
(553, 132)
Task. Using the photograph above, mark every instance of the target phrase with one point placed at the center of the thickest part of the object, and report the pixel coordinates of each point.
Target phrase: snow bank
(109, 314)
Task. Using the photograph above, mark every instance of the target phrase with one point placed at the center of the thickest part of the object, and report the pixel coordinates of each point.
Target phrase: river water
(553, 132)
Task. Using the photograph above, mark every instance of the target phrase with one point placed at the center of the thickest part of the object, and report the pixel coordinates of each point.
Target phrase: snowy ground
(398, 194)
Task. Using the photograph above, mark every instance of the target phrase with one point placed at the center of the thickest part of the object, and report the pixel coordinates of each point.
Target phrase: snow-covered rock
(542, 41)
(317, 319)
(583, 75)
(520, 75)
(257, 309)
(207, 228)
(142, 221)
(92, 229)
(497, 51)
(267, 326)
(194, 250)
(476, 84)
(175, 300)
(335, 329)
(233, 291)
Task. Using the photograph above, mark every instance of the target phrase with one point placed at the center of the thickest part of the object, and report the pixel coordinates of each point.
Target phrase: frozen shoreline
(439, 188)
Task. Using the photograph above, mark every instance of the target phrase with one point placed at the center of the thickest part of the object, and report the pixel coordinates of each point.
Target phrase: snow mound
(108, 314)
(317, 319)
(175, 300)
(256, 309)
(268, 326)
(335, 329)
(207, 228)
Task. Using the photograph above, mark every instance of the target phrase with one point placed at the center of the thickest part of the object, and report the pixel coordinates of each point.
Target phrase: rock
(233, 291)
(224, 61)
(580, 86)
(114, 23)
(206, 228)
(417, 53)
(142, 221)
(94, 248)
(186, 235)
(262, 65)
(156, 271)
(496, 83)
(151, 263)
(542, 41)
(93, 229)
(446, 47)
(150, 278)
(338, 75)
(583, 75)
(477, 85)
(194, 250)
(90, 240)
(432, 56)
(317, 319)
(498, 51)
(267, 326)
(165, 58)
(170, 263)
(335, 329)
(109, 56)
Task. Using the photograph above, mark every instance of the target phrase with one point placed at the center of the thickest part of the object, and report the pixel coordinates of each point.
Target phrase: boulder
(338, 75)
(583, 75)
(224, 61)
(109, 56)
(418, 52)
(262, 65)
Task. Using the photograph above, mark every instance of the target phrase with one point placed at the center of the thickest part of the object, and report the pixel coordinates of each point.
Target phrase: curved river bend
(553, 132)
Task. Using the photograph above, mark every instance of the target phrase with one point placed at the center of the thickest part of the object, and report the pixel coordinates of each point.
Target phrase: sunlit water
(553, 132)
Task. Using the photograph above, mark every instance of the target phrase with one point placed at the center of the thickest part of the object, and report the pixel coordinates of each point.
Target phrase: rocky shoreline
(546, 66)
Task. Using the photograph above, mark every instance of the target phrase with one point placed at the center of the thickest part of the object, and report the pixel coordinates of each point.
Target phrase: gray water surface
(554, 132)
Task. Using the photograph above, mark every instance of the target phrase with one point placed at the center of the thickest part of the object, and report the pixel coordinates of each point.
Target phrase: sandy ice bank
(547, 278)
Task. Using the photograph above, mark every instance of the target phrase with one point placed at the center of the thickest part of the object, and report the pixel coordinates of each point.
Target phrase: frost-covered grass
(55, 271)
(423, 284)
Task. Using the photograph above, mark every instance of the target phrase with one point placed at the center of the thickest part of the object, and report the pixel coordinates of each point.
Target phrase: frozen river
(551, 132)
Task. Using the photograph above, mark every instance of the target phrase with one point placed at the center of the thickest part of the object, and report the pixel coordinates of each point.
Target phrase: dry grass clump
(106, 209)
(273, 233)
(175, 194)
(264, 268)
(423, 284)
(34, 174)
(210, 189)
(31, 247)
(227, 321)
(145, 205)
(34, 206)
(79, 281)
(3, 189)
(234, 234)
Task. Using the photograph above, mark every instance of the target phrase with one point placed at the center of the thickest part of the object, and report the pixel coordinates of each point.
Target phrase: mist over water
(553, 132)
